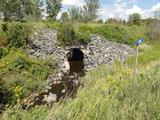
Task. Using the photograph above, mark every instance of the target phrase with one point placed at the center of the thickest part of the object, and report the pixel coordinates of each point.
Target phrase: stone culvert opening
(75, 58)
(67, 85)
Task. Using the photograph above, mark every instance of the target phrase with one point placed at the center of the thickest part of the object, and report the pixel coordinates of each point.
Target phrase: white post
(136, 63)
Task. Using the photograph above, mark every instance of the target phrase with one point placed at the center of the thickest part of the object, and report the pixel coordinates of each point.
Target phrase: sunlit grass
(147, 54)
(108, 94)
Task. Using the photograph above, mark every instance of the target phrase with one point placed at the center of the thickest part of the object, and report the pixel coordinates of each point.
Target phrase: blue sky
(119, 8)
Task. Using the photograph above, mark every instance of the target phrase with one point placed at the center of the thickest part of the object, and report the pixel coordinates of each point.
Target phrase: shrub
(69, 34)
(115, 32)
(5, 95)
(53, 25)
(82, 33)
(17, 35)
(100, 21)
(1, 52)
(3, 38)
(24, 75)
(66, 34)
(89, 28)
(82, 37)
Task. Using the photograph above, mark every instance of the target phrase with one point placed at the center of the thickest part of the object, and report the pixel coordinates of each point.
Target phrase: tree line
(23, 10)
(34, 9)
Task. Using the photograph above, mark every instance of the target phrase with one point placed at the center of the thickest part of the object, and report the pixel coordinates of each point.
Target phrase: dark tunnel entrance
(75, 58)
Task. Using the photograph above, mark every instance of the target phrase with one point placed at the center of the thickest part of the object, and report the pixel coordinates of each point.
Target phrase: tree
(19, 9)
(90, 9)
(112, 20)
(135, 18)
(53, 7)
(75, 14)
(10, 8)
(100, 21)
(64, 17)
(31, 9)
(149, 21)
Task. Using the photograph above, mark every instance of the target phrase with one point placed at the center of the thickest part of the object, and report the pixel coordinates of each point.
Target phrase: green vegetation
(108, 93)
(64, 17)
(66, 34)
(17, 35)
(20, 10)
(147, 54)
(27, 71)
(113, 32)
(154, 31)
(53, 8)
(23, 75)
(69, 33)
(135, 18)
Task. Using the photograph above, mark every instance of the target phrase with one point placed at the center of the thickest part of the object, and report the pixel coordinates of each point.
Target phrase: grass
(148, 52)
(108, 93)
(113, 32)
(23, 75)
(116, 32)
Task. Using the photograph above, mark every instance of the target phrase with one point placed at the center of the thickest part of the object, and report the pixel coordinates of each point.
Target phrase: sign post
(138, 42)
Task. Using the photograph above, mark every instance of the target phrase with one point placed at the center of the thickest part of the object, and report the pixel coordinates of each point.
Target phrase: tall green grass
(116, 32)
(147, 53)
(108, 94)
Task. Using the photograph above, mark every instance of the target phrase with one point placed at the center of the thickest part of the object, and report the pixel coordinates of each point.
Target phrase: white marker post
(138, 42)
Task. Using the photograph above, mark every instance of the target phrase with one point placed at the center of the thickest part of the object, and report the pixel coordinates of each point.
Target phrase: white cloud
(76, 3)
(120, 10)
(150, 12)
(134, 9)
(155, 7)
(73, 2)
(133, 1)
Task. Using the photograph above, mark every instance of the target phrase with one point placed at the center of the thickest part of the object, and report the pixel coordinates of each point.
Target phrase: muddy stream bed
(67, 86)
